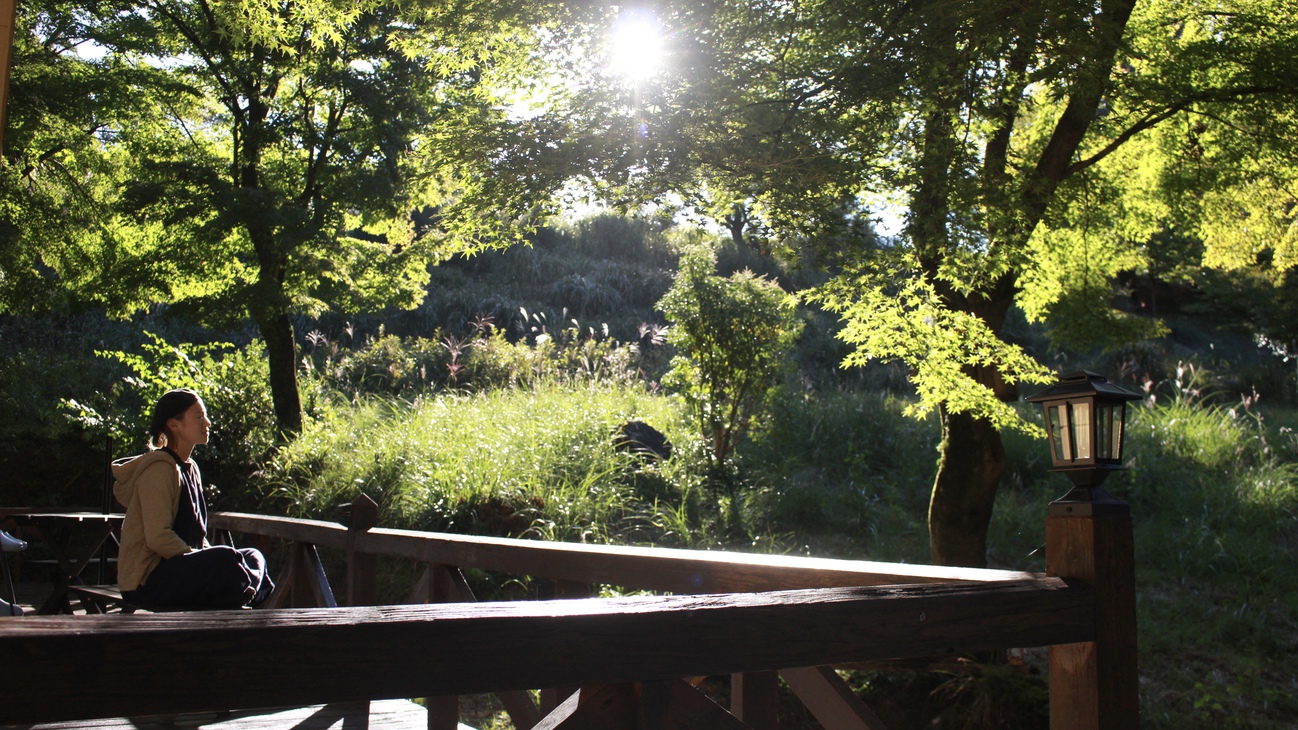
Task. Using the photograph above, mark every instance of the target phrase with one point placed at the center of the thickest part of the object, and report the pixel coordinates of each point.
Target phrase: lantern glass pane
(1104, 431)
(1059, 437)
(1119, 420)
(1081, 424)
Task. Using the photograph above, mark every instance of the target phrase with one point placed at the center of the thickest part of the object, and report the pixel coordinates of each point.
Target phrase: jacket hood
(126, 472)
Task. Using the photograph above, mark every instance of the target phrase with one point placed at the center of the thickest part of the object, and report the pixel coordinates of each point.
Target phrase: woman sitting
(165, 559)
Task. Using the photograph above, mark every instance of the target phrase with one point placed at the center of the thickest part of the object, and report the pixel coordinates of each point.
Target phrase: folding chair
(10, 544)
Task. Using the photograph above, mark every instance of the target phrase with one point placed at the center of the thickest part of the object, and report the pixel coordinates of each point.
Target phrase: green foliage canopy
(264, 159)
(1021, 139)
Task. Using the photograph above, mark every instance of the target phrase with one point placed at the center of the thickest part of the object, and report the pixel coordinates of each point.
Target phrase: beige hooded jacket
(149, 487)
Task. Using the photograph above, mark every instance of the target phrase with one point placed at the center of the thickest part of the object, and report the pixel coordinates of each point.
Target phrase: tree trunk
(269, 305)
(281, 350)
(735, 222)
(972, 456)
(968, 472)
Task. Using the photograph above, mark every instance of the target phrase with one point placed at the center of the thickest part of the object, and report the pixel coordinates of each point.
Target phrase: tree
(287, 145)
(997, 121)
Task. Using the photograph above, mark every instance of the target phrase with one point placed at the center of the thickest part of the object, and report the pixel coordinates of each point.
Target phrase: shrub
(233, 383)
(389, 364)
(733, 335)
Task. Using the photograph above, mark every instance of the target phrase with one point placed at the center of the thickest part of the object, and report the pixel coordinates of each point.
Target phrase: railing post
(362, 585)
(1094, 684)
(755, 699)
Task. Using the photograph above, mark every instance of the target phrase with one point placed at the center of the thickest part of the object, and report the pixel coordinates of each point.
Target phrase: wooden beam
(1094, 685)
(8, 17)
(215, 660)
(660, 569)
(755, 699)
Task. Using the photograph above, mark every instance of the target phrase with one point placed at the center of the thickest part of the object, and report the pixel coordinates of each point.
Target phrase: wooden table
(74, 538)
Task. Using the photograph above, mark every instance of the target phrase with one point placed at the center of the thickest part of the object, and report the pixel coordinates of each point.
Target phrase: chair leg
(12, 609)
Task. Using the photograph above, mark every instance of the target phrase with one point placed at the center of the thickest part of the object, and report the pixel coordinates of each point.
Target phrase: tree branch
(199, 47)
(1153, 118)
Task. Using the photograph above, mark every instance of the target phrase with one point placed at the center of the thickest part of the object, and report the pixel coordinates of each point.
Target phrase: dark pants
(215, 577)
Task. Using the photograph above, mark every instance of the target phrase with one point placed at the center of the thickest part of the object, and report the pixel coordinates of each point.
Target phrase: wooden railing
(605, 663)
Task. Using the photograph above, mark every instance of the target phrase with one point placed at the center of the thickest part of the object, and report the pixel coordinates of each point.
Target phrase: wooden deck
(382, 714)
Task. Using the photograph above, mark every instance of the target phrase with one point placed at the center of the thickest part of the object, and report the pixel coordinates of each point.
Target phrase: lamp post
(1093, 684)
(1085, 421)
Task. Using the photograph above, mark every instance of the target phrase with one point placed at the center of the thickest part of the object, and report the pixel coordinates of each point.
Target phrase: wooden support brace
(553, 697)
(446, 584)
(830, 700)
(283, 585)
(523, 712)
(449, 586)
(321, 591)
(303, 596)
(671, 704)
(693, 710)
(598, 707)
(422, 590)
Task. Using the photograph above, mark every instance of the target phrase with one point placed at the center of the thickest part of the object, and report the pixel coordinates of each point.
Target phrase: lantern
(1085, 419)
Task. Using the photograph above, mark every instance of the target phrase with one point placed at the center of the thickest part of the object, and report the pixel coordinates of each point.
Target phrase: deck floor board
(385, 714)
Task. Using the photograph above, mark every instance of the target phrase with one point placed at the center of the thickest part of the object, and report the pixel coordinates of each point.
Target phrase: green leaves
(734, 335)
(892, 313)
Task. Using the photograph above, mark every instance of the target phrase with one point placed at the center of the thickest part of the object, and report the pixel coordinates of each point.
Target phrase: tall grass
(1213, 486)
(843, 473)
(536, 462)
(1216, 532)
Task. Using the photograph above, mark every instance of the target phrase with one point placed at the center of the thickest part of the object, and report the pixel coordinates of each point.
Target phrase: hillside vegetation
(492, 408)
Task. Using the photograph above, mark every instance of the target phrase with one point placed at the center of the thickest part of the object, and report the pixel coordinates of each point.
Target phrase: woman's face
(191, 426)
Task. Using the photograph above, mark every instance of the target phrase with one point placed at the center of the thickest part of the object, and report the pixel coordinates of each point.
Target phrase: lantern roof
(1083, 383)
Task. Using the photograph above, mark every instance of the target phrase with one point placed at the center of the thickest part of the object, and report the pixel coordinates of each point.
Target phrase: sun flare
(636, 45)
